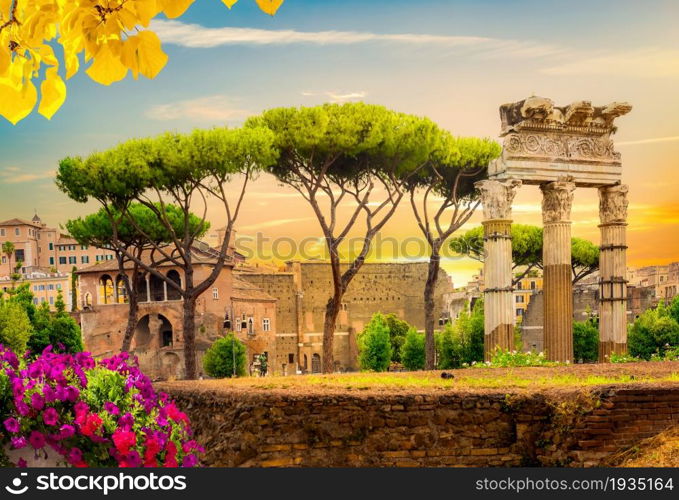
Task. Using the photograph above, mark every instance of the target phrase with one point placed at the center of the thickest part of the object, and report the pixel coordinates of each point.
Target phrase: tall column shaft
(613, 271)
(498, 307)
(497, 197)
(557, 283)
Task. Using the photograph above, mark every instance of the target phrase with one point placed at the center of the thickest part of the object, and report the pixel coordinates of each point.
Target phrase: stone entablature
(542, 140)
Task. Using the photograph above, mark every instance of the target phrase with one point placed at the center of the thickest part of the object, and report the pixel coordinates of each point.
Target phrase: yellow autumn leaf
(16, 104)
(71, 60)
(270, 6)
(53, 93)
(229, 3)
(175, 8)
(106, 67)
(143, 54)
(5, 60)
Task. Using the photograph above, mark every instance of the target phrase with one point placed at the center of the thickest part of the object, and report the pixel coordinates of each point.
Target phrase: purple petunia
(37, 439)
(37, 401)
(111, 408)
(18, 442)
(12, 425)
(50, 416)
(66, 431)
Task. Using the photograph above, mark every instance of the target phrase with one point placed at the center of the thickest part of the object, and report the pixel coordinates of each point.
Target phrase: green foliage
(623, 358)
(654, 332)
(218, 361)
(461, 343)
(673, 309)
(412, 351)
(15, 327)
(397, 334)
(504, 358)
(527, 249)
(585, 341)
(104, 386)
(74, 289)
(374, 345)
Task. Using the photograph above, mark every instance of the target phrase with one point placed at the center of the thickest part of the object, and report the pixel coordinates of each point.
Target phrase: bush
(15, 327)
(218, 361)
(623, 358)
(585, 341)
(654, 332)
(92, 414)
(374, 345)
(412, 351)
(398, 329)
(462, 342)
(504, 358)
(58, 330)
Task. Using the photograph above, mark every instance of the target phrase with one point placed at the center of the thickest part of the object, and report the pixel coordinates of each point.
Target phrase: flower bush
(505, 358)
(91, 413)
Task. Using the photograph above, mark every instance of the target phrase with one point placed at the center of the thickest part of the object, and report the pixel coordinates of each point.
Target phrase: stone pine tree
(185, 170)
(443, 198)
(351, 163)
(97, 230)
(527, 251)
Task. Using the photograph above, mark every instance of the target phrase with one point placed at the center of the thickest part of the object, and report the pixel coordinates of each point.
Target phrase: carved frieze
(560, 147)
(497, 197)
(613, 204)
(557, 200)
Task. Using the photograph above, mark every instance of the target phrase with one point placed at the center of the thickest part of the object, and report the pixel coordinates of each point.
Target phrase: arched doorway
(150, 327)
(106, 289)
(316, 363)
(172, 292)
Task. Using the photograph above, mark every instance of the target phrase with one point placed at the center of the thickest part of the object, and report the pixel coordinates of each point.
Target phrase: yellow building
(45, 287)
(523, 292)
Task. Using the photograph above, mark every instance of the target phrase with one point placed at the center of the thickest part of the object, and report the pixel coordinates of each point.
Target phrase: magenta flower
(37, 401)
(12, 425)
(66, 431)
(74, 456)
(37, 439)
(50, 416)
(111, 408)
(190, 461)
(18, 443)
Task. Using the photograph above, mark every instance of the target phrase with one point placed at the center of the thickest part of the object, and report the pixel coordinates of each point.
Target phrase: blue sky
(454, 61)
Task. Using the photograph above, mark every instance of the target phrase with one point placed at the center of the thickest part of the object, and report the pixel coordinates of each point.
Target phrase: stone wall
(575, 428)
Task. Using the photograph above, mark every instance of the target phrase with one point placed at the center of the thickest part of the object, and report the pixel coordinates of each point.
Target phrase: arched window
(106, 289)
(251, 327)
(122, 289)
(316, 363)
(227, 322)
(172, 292)
(157, 288)
(87, 303)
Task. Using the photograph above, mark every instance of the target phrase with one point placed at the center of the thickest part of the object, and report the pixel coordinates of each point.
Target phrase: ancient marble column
(613, 271)
(557, 199)
(496, 198)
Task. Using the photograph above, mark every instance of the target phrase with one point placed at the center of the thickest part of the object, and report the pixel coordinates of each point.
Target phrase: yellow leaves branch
(111, 35)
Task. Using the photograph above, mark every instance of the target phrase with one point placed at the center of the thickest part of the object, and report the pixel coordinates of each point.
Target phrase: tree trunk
(332, 310)
(189, 325)
(429, 307)
(131, 320)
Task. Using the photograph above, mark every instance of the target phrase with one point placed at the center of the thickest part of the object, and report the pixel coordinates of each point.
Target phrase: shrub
(15, 327)
(504, 358)
(585, 341)
(462, 342)
(654, 332)
(374, 345)
(219, 359)
(398, 329)
(58, 330)
(93, 414)
(623, 358)
(412, 351)
(450, 348)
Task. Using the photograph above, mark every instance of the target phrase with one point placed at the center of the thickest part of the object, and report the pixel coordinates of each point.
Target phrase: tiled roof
(19, 222)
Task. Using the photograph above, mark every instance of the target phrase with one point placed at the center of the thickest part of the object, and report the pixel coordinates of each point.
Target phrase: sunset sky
(452, 61)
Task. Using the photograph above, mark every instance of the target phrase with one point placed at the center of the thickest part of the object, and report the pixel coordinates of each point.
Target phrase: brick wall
(240, 428)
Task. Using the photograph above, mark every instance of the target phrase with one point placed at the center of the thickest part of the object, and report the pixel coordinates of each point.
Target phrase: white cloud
(650, 62)
(196, 36)
(215, 108)
(338, 96)
(12, 175)
(649, 141)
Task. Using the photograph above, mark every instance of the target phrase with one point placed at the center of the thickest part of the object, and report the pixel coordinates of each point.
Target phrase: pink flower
(12, 425)
(111, 408)
(66, 431)
(74, 456)
(37, 439)
(37, 401)
(18, 443)
(50, 416)
(22, 463)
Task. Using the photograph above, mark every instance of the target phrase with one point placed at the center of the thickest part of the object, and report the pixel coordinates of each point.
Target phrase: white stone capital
(557, 200)
(613, 204)
(497, 197)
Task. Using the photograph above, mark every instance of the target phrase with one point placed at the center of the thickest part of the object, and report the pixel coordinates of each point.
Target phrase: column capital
(613, 204)
(557, 200)
(497, 197)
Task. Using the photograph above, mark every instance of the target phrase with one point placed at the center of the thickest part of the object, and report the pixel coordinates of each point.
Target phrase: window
(51, 246)
(519, 286)
(35, 300)
(72, 260)
(51, 261)
(35, 288)
(2, 232)
(58, 286)
(4, 260)
(85, 259)
(83, 247)
(519, 312)
(227, 322)
(291, 358)
(266, 324)
(19, 255)
(532, 285)
(41, 288)
(62, 260)
(50, 286)
(51, 301)
(17, 231)
(519, 299)
(215, 293)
